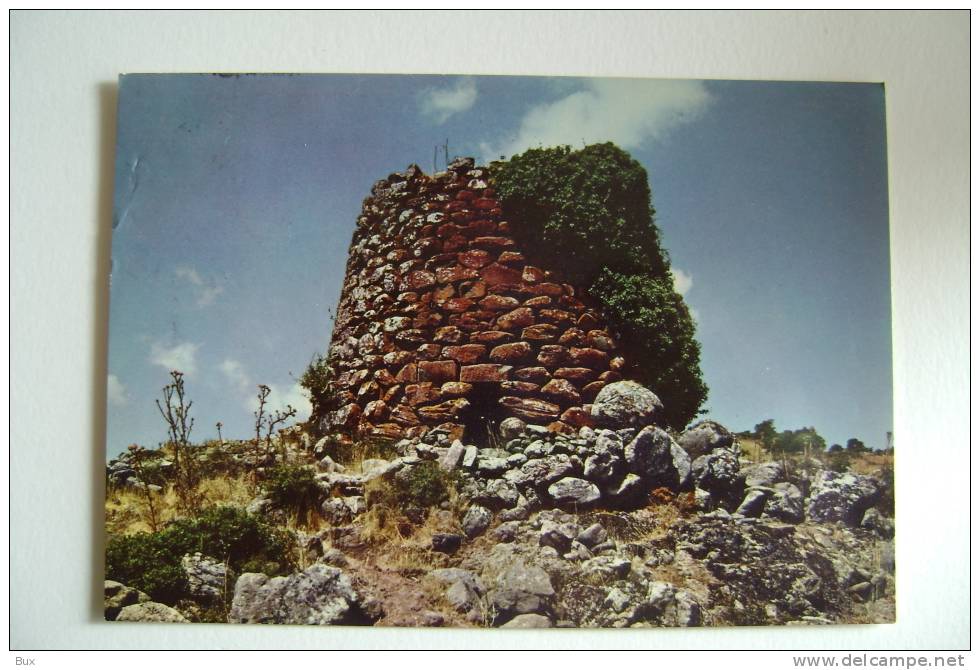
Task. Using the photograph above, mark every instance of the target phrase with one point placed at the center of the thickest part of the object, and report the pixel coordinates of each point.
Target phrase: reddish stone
(408, 374)
(426, 247)
(453, 431)
(449, 335)
(429, 352)
(465, 195)
(353, 378)
(589, 358)
(484, 372)
(579, 375)
(457, 305)
(384, 377)
(485, 203)
(562, 391)
(447, 230)
(445, 411)
(412, 337)
(404, 415)
(418, 394)
(455, 206)
(455, 273)
(530, 409)
(474, 290)
(598, 339)
(491, 336)
(454, 244)
(617, 363)
(546, 288)
(437, 372)
(492, 242)
(475, 258)
(533, 275)
(427, 320)
(408, 296)
(427, 230)
(390, 431)
(444, 292)
(590, 391)
(343, 398)
(542, 332)
(558, 316)
(587, 322)
(496, 274)
(577, 417)
(519, 388)
(465, 353)
(514, 257)
(499, 302)
(376, 410)
(536, 375)
(571, 337)
(462, 217)
(538, 301)
(610, 376)
(560, 428)
(456, 388)
(571, 303)
(347, 416)
(510, 353)
(504, 227)
(552, 355)
(392, 394)
(518, 318)
(481, 227)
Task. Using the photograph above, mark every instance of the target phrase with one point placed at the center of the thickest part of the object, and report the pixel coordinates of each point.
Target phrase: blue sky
(235, 201)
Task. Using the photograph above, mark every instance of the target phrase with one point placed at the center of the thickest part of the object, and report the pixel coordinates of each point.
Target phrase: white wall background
(63, 68)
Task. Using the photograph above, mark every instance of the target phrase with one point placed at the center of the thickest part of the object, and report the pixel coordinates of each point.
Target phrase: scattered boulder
(319, 595)
(522, 589)
(718, 474)
(152, 612)
(704, 437)
(878, 523)
(843, 497)
(753, 503)
(655, 457)
(476, 520)
(572, 491)
(446, 543)
(207, 577)
(511, 428)
(118, 596)
(785, 503)
(528, 621)
(763, 474)
(626, 404)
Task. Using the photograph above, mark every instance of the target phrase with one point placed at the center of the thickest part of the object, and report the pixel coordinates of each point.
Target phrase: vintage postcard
(520, 352)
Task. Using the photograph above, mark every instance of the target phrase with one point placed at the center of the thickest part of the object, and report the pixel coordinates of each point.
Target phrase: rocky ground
(622, 526)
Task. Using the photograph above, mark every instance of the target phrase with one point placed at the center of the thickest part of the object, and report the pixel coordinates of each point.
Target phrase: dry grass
(127, 512)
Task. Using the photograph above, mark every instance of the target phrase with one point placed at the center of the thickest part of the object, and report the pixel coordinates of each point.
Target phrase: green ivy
(589, 213)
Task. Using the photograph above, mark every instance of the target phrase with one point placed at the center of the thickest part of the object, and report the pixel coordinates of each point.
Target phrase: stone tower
(444, 321)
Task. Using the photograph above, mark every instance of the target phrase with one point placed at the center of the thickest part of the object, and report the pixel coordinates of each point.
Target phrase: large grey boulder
(842, 496)
(655, 457)
(476, 520)
(704, 437)
(528, 621)
(319, 595)
(785, 503)
(540, 471)
(152, 612)
(511, 428)
(605, 463)
(669, 606)
(718, 474)
(626, 404)
(118, 596)
(522, 589)
(464, 589)
(572, 491)
(207, 578)
(763, 474)
(878, 523)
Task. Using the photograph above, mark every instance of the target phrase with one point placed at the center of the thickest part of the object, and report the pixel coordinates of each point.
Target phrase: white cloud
(441, 103)
(182, 357)
(234, 371)
(627, 112)
(682, 281)
(294, 396)
(116, 391)
(205, 291)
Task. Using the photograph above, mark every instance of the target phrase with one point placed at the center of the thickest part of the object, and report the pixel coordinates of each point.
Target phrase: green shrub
(293, 487)
(150, 562)
(589, 213)
(316, 380)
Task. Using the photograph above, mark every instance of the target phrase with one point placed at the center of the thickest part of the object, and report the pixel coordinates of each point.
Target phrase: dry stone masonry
(444, 322)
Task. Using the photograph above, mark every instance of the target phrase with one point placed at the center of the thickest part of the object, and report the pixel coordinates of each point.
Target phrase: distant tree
(835, 448)
(765, 432)
(856, 446)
